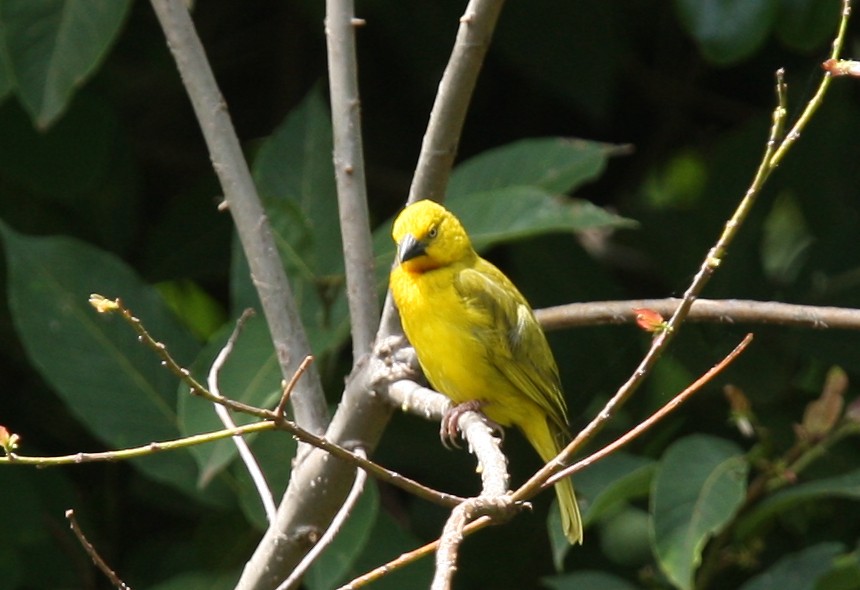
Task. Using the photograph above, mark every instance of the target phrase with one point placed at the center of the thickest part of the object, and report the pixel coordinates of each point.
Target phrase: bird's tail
(571, 521)
(544, 441)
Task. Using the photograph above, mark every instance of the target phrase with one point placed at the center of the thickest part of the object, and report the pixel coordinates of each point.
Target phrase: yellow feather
(476, 336)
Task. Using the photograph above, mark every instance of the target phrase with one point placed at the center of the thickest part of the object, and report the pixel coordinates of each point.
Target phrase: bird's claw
(449, 429)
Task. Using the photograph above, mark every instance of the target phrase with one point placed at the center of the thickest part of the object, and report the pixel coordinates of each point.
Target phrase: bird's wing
(515, 343)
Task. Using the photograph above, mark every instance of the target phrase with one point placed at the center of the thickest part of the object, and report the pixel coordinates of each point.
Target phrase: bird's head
(428, 236)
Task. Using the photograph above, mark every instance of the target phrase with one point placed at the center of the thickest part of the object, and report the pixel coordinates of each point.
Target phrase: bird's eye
(433, 232)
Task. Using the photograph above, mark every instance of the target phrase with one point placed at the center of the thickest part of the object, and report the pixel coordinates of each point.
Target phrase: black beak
(410, 248)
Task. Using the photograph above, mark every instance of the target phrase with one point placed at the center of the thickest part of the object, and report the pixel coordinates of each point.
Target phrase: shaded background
(688, 84)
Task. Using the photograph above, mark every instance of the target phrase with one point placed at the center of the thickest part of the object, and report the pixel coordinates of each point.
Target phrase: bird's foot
(450, 429)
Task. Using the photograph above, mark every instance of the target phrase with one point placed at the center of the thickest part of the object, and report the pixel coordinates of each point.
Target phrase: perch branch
(249, 217)
(442, 138)
(340, 24)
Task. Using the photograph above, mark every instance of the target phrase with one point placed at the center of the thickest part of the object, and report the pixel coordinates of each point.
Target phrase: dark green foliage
(105, 186)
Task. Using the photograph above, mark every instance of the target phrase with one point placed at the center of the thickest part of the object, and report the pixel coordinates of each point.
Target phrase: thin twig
(240, 194)
(288, 388)
(654, 418)
(452, 534)
(481, 522)
(340, 24)
(724, 311)
(816, 100)
(712, 261)
(104, 305)
(251, 464)
(143, 450)
(94, 555)
(334, 528)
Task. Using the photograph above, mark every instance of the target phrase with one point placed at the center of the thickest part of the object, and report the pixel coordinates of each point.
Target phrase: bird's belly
(460, 366)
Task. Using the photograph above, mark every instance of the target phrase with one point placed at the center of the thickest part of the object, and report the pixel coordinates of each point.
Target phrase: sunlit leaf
(700, 483)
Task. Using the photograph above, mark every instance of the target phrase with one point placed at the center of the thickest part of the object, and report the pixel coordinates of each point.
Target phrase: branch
(141, 451)
(335, 526)
(94, 555)
(710, 264)
(776, 144)
(240, 194)
(245, 453)
(361, 418)
(349, 173)
(727, 311)
(442, 138)
(654, 418)
(473, 427)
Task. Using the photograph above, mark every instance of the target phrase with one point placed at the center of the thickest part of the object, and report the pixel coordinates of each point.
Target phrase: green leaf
(274, 452)
(843, 486)
(798, 571)
(554, 164)
(786, 240)
(805, 25)
(509, 214)
(700, 483)
(112, 383)
(727, 31)
(334, 563)
(388, 539)
(604, 488)
(250, 375)
(6, 83)
(196, 308)
(295, 177)
(621, 478)
(593, 580)
(519, 212)
(54, 45)
(625, 538)
(844, 573)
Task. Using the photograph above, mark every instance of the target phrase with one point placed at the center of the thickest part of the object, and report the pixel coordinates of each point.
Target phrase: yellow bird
(476, 337)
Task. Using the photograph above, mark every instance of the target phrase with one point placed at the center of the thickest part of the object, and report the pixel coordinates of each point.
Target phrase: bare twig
(458, 525)
(654, 418)
(726, 311)
(335, 526)
(104, 305)
(245, 453)
(349, 173)
(712, 261)
(252, 225)
(291, 384)
(141, 451)
(94, 555)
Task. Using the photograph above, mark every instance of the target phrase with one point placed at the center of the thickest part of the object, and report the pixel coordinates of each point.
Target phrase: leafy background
(105, 186)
